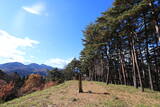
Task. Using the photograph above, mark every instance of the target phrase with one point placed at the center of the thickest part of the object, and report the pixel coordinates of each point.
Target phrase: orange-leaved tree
(33, 83)
(7, 91)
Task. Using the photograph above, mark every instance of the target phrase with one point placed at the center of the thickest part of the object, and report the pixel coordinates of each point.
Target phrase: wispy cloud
(10, 47)
(37, 9)
(57, 62)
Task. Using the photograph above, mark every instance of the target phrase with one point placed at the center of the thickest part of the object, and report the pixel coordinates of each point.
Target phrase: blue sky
(45, 31)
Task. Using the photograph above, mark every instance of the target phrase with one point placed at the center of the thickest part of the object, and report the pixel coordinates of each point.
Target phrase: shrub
(2, 83)
(49, 84)
(33, 83)
(55, 75)
(7, 91)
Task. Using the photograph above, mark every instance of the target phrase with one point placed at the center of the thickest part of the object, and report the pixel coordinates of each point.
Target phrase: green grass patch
(120, 88)
(143, 105)
(36, 98)
(114, 103)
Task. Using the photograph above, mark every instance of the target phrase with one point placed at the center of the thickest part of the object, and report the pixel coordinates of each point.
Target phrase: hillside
(95, 94)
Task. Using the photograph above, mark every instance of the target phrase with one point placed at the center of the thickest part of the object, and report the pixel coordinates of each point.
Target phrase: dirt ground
(96, 95)
(70, 97)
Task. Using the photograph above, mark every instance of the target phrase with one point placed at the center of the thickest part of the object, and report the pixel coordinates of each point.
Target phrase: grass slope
(96, 94)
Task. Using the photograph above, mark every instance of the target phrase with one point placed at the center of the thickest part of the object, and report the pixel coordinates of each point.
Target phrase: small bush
(33, 83)
(49, 84)
(2, 83)
(7, 91)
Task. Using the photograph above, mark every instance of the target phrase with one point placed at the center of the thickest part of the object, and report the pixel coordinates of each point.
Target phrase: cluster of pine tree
(123, 45)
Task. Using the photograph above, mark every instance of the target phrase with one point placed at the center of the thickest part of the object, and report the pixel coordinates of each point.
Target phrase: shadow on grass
(90, 92)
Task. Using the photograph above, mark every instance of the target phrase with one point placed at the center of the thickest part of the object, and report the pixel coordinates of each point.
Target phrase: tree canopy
(123, 45)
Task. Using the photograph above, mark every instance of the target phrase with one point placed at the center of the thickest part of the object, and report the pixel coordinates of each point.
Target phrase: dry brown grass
(95, 94)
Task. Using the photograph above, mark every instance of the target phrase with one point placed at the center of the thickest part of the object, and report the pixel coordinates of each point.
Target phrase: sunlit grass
(119, 96)
(36, 98)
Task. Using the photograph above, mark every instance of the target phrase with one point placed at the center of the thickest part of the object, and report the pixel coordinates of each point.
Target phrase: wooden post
(80, 83)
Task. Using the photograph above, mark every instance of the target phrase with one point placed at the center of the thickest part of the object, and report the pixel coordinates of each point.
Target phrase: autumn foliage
(7, 91)
(49, 84)
(18, 86)
(2, 83)
(33, 83)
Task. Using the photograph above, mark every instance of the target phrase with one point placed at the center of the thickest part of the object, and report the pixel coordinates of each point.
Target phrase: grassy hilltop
(96, 94)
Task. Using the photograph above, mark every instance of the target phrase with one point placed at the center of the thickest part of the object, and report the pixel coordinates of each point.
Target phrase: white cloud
(10, 47)
(57, 62)
(37, 9)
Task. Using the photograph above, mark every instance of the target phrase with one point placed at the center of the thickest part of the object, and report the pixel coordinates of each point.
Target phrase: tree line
(12, 85)
(123, 45)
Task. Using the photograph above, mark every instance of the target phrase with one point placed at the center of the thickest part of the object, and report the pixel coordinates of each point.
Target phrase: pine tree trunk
(156, 71)
(134, 71)
(133, 63)
(136, 63)
(139, 74)
(120, 76)
(108, 75)
(122, 69)
(147, 55)
(142, 68)
(149, 67)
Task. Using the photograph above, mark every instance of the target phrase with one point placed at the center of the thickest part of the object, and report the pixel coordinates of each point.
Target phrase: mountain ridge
(24, 70)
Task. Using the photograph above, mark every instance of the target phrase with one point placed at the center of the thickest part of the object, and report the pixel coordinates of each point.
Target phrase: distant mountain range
(24, 70)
